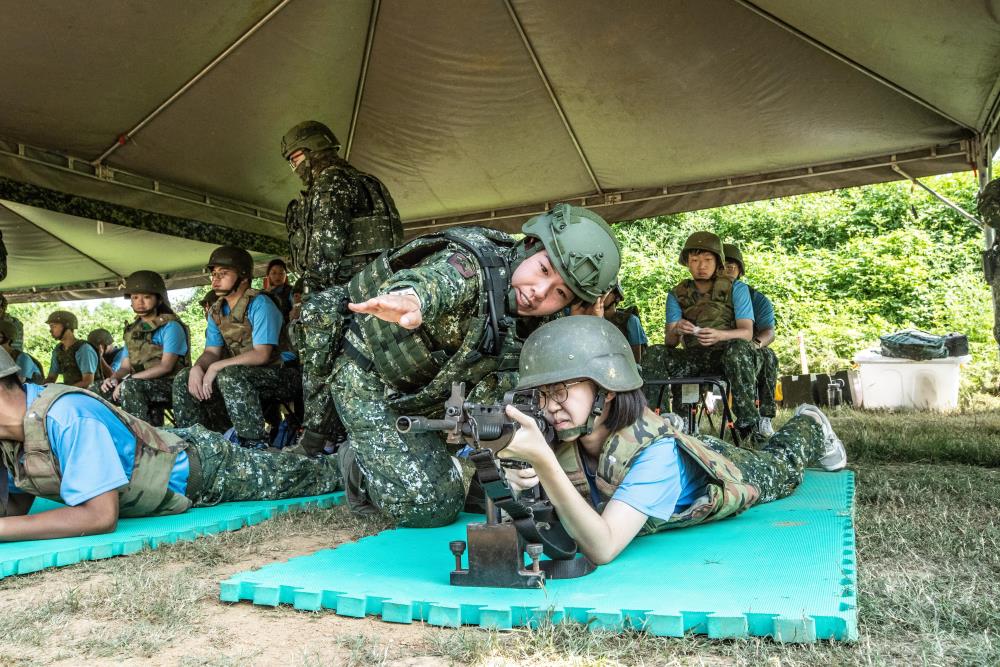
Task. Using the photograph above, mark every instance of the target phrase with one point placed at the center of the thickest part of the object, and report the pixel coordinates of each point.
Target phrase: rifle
(530, 525)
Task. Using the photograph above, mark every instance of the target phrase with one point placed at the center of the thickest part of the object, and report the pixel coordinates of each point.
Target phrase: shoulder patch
(462, 264)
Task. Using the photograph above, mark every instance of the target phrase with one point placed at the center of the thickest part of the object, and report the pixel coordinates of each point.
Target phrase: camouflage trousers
(236, 398)
(222, 472)
(777, 467)
(316, 336)
(737, 361)
(409, 476)
(767, 379)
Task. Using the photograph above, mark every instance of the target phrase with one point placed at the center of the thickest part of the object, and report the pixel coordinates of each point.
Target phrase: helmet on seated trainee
(579, 346)
(581, 248)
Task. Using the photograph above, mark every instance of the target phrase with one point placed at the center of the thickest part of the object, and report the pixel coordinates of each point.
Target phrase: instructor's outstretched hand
(401, 309)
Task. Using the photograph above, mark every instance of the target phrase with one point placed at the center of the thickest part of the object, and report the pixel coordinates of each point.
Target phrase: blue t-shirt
(27, 367)
(265, 323)
(86, 360)
(763, 311)
(116, 363)
(742, 307)
(171, 338)
(663, 480)
(95, 450)
(636, 334)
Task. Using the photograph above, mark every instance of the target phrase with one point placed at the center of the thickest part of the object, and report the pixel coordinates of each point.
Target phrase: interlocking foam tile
(784, 569)
(135, 534)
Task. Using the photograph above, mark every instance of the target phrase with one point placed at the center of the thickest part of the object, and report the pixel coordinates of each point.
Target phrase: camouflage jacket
(712, 309)
(143, 353)
(725, 495)
(36, 470)
(340, 224)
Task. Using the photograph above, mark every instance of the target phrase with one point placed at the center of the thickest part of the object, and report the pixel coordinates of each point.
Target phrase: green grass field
(928, 498)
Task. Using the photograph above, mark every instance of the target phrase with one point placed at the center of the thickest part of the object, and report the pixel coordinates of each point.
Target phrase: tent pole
(552, 95)
(944, 200)
(369, 40)
(63, 242)
(124, 138)
(851, 63)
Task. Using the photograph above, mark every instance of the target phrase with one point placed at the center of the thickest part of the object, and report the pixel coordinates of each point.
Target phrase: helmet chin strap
(236, 286)
(596, 410)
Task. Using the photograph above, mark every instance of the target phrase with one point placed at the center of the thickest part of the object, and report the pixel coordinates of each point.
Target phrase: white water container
(887, 382)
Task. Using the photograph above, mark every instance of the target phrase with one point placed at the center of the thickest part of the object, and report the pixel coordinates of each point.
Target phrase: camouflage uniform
(222, 472)
(767, 380)
(18, 342)
(338, 225)
(236, 398)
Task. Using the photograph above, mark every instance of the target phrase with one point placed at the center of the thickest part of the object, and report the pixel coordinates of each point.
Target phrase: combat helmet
(312, 136)
(7, 366)
(99, 337)
(233, 258)
(733, 254)
(63, 317)
(581, 248)
(146, 282)
(579, 346)
(988, 204)
(703, 241)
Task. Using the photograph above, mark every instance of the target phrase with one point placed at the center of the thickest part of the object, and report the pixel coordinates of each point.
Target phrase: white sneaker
(834, 455)
(764, 427)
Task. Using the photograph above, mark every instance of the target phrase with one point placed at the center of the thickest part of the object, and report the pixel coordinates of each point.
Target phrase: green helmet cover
(146, 282)
(233, 258)
(581, 247)
(578, 346)
(7, 366)
(311, 136)
(703, 241)
(63, 317)
(100, 337)
(733, 254)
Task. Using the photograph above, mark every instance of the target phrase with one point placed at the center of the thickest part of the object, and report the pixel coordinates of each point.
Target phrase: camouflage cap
(581, 248)
(578, 346)
(703, 241)
(233, 258)
(733, 254)
(63, 317)
(99, 337)
(7, 367)
(988, 204)
(310, 135)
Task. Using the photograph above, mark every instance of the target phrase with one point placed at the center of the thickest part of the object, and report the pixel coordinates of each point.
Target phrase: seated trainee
(620, 470)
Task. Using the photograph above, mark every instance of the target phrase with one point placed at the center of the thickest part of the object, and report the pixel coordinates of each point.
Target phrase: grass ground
(928, 501)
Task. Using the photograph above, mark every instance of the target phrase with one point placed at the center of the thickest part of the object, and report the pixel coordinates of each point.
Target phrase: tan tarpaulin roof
(481, 111)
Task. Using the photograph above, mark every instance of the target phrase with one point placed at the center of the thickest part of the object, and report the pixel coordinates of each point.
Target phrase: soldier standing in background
(18, 340)
(763, 336)
(341, 221)
(74, 359)
(988, 206)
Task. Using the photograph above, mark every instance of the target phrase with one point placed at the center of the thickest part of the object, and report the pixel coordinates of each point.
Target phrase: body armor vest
(713, 309)
(404, 358)
(237, 332)
(36, 470)
(375, 226)
(67, 361)
(725, 494)
(143, 353)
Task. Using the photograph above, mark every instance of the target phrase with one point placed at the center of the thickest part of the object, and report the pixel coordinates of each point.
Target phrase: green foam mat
(784, 569)
(133, 535)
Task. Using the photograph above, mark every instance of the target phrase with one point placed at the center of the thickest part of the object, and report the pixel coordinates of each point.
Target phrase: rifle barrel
(423, 424)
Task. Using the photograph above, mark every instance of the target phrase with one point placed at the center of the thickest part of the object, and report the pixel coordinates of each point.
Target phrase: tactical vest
(67, 361)
(143, 353)
(36, 470)
(237, 332)
(713, 309)
(726, 494)
(371, 231)
(405, 358)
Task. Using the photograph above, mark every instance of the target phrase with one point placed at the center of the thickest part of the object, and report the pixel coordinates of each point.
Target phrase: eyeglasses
(557, 393)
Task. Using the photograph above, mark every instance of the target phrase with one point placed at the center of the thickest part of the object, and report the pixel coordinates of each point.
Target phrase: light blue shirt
(171, 338)
(763, 311)
(663, 480)
(636, 334)
(86, 360)
(265, 323)
(27, 367)
(95, 450)
(116, 363)
(742, 307)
